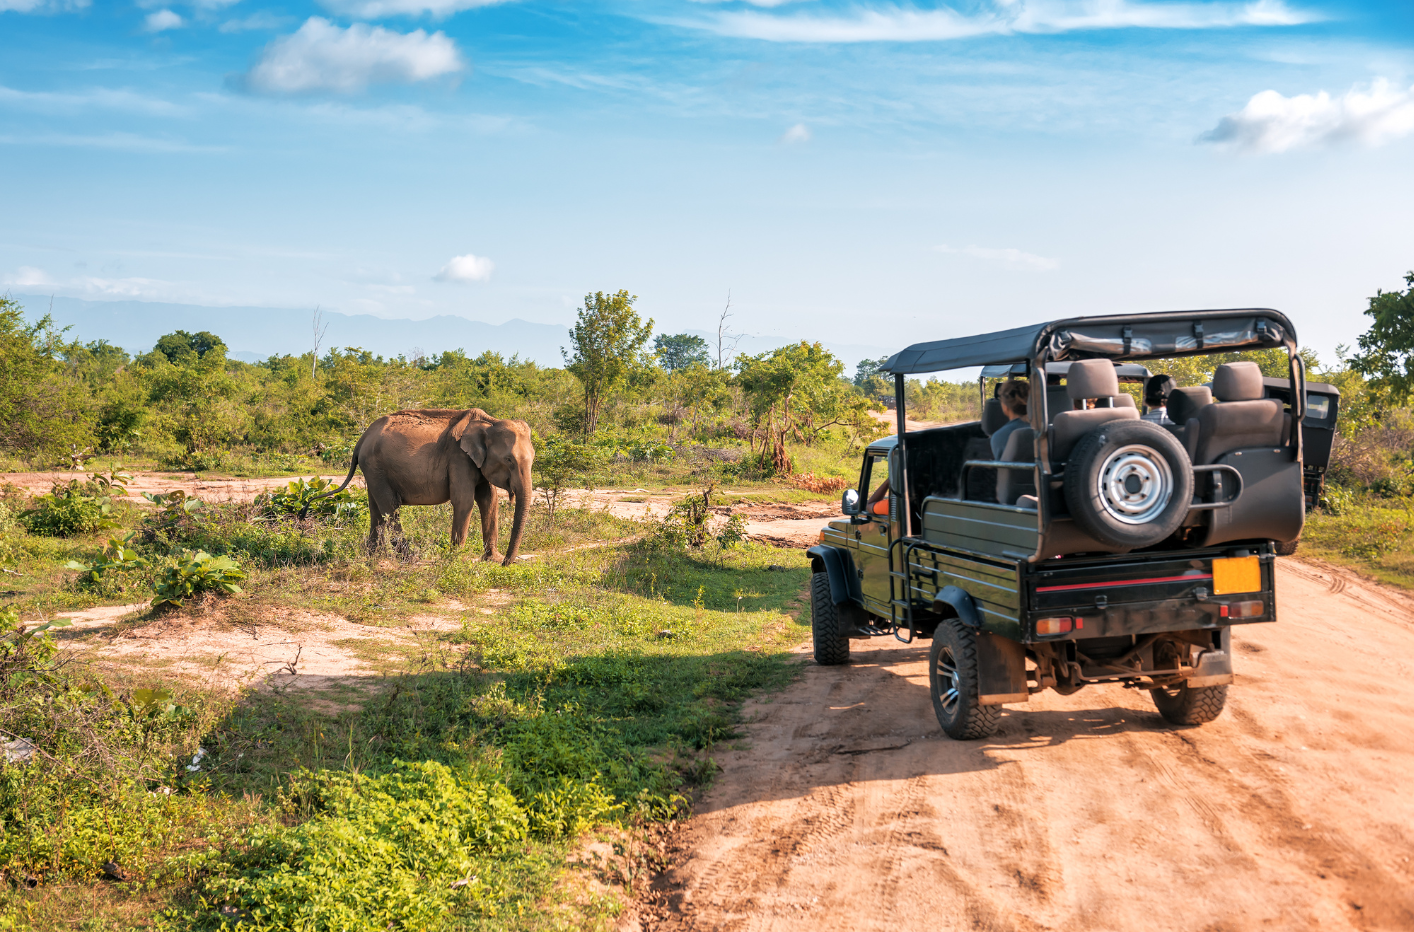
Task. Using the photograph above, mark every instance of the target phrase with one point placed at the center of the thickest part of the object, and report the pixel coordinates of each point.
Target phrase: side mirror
(849, 502)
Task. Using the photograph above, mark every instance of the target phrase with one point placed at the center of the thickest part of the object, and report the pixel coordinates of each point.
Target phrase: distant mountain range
(254, 333)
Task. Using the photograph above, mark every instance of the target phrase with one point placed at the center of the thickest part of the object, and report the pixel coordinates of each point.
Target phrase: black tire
(1189, 705)
(952, 679)
(1287, 548)
(1128, 484)
(831, 644)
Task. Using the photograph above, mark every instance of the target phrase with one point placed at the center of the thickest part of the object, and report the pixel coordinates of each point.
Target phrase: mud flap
(1215, 665)
(1001, 670)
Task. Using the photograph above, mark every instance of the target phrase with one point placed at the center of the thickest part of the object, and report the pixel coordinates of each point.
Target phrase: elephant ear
(473, 442)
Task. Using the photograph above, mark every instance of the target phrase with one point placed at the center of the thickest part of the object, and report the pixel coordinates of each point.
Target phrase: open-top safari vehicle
(1099, 547)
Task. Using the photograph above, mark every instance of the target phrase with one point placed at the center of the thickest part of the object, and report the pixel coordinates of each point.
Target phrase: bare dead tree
(320, 327)
(726, 340)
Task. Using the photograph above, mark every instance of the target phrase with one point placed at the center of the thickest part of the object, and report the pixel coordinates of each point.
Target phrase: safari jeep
(1099, 547)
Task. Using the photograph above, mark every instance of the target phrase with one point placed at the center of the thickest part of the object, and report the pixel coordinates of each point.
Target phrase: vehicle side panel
(980, 527)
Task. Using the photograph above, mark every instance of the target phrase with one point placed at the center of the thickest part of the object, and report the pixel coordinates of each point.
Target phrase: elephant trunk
(522, 496)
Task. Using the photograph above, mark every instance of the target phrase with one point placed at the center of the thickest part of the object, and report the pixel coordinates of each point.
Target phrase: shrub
(195, 573)
(403, 849)
(118, 557)
(302, 497)
(70, 509)
(688, 525)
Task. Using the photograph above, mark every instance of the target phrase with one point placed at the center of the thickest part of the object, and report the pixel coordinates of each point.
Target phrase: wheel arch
(839, 567)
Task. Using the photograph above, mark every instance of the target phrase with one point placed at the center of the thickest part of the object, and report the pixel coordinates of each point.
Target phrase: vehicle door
(872, 535)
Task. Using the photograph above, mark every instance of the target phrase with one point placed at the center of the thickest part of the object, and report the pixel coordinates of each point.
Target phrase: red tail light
(1248, 609)
(1050, 627)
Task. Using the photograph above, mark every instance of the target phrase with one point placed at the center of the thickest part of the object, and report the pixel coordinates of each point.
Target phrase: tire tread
(831, 647)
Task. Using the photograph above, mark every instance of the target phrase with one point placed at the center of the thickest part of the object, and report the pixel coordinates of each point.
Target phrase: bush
(118, 558)
(403, 849)
(301, 498)
(195, 573)
(68, 510)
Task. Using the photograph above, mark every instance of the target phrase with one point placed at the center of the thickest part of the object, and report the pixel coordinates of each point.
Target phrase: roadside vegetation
(574, 696)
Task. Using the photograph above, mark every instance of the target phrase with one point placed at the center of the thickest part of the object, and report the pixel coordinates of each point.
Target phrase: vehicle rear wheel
(1287, 548)
(1189, 705)
(826, 623)
(1128, 483)
(952, 678)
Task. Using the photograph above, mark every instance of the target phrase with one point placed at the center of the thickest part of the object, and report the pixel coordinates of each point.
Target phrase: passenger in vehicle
(1013, 396)
(1156, 398)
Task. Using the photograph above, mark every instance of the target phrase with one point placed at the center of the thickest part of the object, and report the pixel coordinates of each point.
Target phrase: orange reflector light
(1237, 574)
(1052, 626)
(1245, 609)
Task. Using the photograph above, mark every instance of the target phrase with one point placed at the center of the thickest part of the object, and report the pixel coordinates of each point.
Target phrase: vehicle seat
(993, 417)
(1242, 416)
(1183, 407)
(1057, 401)
(1090, 378)
(1014, 483)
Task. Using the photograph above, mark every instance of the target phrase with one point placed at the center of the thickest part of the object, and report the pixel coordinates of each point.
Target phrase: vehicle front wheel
(952, 677)
(1189, 705)
(831, 644)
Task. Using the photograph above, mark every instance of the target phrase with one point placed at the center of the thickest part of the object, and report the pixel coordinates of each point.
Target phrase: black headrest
(1091, 378)
(1238, 381)
(1185, 402)
(993, 417)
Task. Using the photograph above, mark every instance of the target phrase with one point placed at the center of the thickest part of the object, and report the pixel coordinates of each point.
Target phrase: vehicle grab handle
(1209, 506)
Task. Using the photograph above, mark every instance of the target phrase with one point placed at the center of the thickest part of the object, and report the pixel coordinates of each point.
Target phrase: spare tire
(1128, 483)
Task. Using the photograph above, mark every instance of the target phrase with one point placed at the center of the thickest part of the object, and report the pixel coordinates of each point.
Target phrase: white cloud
(1271, 122)
(27, 276)
(466, 269)
(893, 23)
(161, 21)
(324, 57)
(380, 9)
(42, 6)
(796, 134)
(1014, 258)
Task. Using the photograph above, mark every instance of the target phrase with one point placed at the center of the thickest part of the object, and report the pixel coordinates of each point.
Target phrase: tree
(608, 340)
(681, 350)
(798, 391)
(40, 410)
(1387, 348)
(182, 348)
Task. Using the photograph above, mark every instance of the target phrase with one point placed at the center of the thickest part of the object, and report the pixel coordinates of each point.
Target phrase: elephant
(431, 456)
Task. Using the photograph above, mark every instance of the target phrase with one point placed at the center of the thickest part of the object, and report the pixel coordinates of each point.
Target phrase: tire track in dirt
(1085, 812)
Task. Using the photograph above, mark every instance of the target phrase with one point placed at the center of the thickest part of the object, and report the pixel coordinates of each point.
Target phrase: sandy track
(848, 809)
(210, 489)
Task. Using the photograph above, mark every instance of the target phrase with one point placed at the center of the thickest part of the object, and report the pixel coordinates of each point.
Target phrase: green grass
(591, 697)
(1365, 532)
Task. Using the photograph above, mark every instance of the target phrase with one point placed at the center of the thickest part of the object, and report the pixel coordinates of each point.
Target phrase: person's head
(1013, 395)
(1156, 390)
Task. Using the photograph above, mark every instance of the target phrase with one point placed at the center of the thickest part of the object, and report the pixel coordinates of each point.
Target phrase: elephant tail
(353, 467)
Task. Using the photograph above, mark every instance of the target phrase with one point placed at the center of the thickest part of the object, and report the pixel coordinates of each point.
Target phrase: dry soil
(845, 807)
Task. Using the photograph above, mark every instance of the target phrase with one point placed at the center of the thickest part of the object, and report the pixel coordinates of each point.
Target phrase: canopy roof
(1118, 336)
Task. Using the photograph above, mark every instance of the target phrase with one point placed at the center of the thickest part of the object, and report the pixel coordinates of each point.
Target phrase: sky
(858, 171)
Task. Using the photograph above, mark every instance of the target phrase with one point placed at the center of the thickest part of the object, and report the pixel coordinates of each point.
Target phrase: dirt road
(847, 809)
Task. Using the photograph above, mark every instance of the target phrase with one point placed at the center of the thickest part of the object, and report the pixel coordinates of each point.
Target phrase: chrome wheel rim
(949, 683)
(1135, 484)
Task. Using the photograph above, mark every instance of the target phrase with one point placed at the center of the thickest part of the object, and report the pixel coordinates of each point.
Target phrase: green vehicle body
(1019, 597)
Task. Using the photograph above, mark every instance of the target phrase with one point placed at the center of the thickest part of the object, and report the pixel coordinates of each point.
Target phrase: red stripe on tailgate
(1126, 582)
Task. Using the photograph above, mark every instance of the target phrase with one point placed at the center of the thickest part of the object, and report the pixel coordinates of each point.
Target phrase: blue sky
(862, 172)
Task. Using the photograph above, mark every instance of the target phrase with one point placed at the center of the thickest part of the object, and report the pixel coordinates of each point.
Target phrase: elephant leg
(461, 521)
(382, 511)
(488, 501)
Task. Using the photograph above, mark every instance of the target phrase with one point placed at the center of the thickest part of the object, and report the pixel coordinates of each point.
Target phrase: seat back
(1089, 378)
(1242, 416)
(1014, 483)
(1183, 407)
(993, 417)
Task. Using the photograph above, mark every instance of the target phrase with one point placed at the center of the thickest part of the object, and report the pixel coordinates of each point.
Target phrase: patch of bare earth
(846, 808)
(207, 488)
(222, 649)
